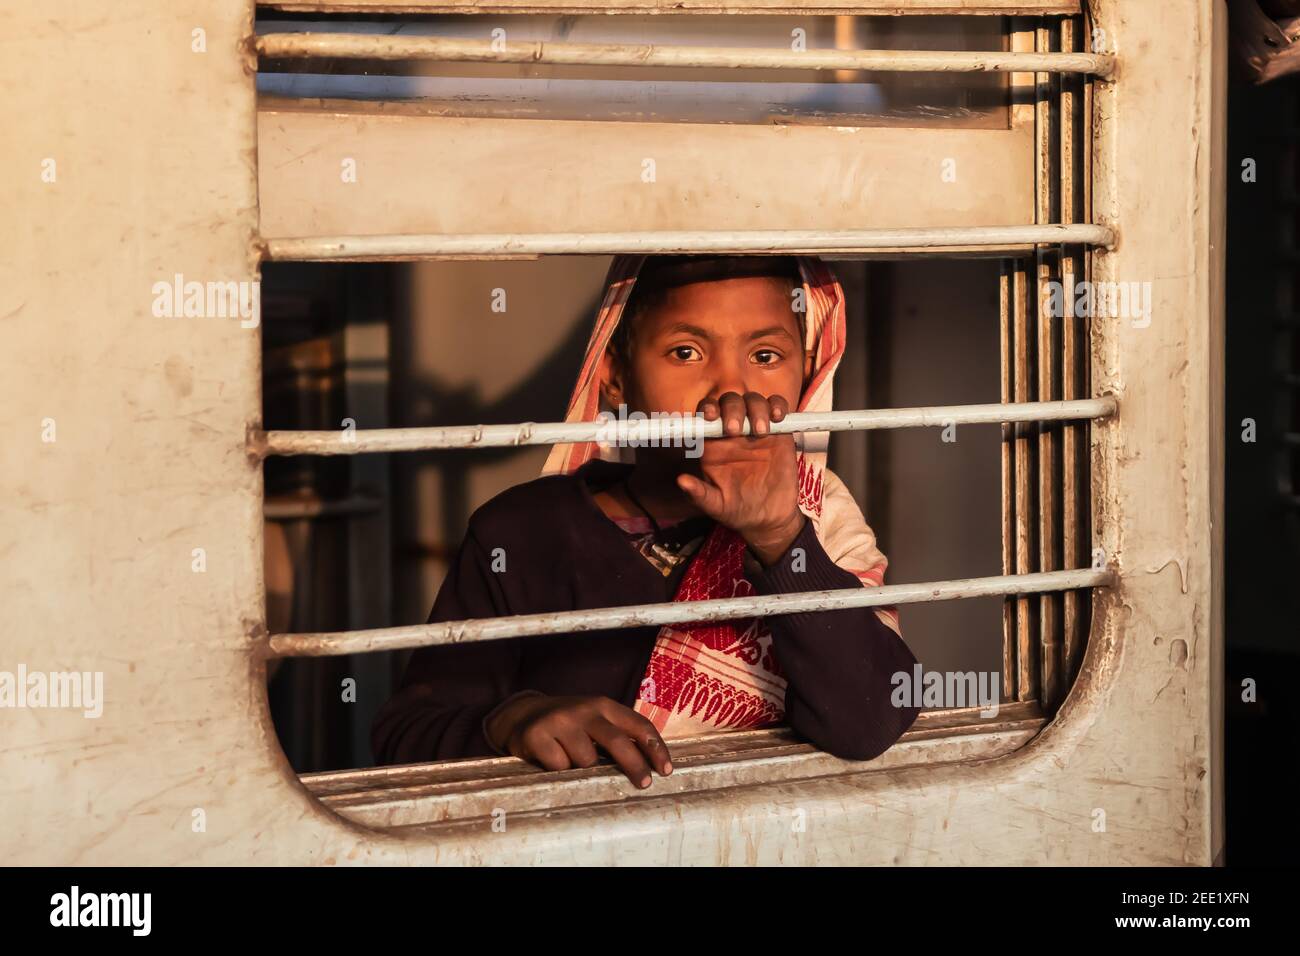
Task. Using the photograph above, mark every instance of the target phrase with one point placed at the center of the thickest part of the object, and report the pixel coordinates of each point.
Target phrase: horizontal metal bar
(892, 8)
(662, 430)
(676, 612)
(362, 248)
(363, 46)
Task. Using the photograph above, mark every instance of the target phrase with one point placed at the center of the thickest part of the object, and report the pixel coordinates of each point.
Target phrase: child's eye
(767, 356)
(684, 352)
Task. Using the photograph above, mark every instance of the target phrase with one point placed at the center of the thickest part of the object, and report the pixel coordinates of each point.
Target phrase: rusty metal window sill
(461, 791)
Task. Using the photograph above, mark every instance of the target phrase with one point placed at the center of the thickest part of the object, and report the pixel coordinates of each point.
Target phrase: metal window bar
(1048, 193)
(388, 639)
(1023, 451)
(364, 441)
(1075, 533)
(677, 612)
(1045, 464)
(756, 242)
(1006, 292)
(364, 46)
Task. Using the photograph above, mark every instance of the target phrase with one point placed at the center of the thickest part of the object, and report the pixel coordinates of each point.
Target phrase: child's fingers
(780, 407)
(759, 413)
(708, 407)
(733, 413)
(706, 495)
(646, 736)
(620, 747)
(543, 749)
(577, 744)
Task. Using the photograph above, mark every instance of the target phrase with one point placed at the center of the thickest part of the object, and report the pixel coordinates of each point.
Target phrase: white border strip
(363, 46)
(662, 429)
(749, 242)
(677, 612)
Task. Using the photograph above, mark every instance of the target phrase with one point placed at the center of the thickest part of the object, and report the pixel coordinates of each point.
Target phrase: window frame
(152, 463)
(374, 133)
(372, 787)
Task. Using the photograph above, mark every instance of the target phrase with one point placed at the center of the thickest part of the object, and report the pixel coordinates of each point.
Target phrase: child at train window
(728, 337)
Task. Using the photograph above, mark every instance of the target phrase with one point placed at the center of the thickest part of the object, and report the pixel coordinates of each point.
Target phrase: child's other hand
(749, 483)
(559, 733)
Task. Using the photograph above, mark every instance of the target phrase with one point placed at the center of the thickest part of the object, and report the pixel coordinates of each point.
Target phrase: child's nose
(729, 376)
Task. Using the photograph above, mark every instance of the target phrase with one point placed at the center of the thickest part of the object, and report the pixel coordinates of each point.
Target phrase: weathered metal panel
(146, 113)
(154, 150)
(432, 174)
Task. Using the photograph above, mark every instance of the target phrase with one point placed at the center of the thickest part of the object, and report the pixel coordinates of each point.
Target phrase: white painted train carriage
(137, 149)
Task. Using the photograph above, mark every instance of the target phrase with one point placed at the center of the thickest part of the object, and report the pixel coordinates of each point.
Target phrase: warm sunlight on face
(708, 338)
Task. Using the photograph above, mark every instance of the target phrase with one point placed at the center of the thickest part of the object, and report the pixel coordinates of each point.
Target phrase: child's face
(708, 338)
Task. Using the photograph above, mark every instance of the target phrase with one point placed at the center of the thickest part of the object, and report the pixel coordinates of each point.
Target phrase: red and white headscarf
(724, 675)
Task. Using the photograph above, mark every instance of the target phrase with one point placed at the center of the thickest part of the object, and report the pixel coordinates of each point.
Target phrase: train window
(411, 177)
(241, 521)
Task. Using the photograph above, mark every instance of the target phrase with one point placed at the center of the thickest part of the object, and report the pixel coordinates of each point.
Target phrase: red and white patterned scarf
(724, 675)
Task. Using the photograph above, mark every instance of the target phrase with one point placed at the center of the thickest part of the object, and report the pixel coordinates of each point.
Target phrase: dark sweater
(563, 553)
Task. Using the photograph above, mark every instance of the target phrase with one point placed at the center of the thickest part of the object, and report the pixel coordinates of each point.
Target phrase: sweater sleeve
(449, 691)
(839, 664)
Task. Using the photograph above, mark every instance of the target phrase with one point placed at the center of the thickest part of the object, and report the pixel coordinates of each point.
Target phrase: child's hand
(749, 484)
(558, 733)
